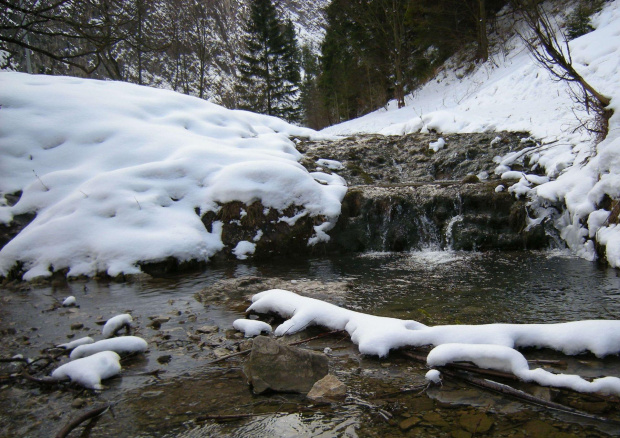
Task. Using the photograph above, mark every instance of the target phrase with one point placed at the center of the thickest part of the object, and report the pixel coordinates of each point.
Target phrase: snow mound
(122, 345)
(90, 371)
(251, 328)
(116, 323)
(119, 174)
(378, 335)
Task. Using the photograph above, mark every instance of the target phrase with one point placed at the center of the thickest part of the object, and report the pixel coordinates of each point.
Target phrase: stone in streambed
(328, 389)
(276, 367)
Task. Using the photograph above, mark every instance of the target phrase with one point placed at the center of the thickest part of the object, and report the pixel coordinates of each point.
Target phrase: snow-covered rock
(90, 371)
(116, 323)
(69, 301)
(251, 328)
(122, 345)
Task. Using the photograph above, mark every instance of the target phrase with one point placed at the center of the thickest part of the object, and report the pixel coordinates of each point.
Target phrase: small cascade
(450, 231)
(429, 234)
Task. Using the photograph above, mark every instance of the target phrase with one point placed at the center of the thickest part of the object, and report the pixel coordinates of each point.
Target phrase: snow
(119, 174)
(511, 361)
(436, 146)
(251, 327)
(378, 335)
(433, 376)
(244, 248)
(330, 164)
(487, 346)
(90, 371)
(511, 92)
(122, 345)
(73, 344)
(116, 323)
(69, 301)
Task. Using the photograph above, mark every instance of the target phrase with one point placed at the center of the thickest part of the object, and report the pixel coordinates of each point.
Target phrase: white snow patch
(69, 301)
(251, 327)
(122, 345)
(244, 248)
(436, 146)
(330, 164)
(90, 371)
(433, 376)
(116, 323)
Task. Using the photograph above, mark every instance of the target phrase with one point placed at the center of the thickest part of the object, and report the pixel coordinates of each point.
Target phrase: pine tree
(269, 67)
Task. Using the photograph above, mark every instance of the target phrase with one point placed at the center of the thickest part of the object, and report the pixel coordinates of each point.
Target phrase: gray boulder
(276, 367)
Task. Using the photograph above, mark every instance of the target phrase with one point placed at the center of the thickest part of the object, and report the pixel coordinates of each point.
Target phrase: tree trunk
(483, 40)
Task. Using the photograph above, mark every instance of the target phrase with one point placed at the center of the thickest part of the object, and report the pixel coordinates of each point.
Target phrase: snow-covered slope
(118, 173)
(511, 92)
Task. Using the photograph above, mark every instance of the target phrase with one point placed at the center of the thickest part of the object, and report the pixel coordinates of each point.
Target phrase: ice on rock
(251, 328)
(90, 371)
(122, 345)
(116, 323)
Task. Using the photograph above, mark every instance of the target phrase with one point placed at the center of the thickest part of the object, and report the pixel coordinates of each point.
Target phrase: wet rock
(329, 388)
(78, 403)
(435, 419)
(477, 422)
(408, 423)
(460, 433)
(276, 367)
(206, 329)
(166, 358)
(539, 429)
(246, 345)
(221, 352)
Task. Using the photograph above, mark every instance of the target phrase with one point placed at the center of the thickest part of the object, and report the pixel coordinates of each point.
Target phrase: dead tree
(549, 46)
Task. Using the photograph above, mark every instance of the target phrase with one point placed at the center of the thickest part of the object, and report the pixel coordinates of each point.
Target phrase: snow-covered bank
(118, 173)
(488, 345)
(511, 92)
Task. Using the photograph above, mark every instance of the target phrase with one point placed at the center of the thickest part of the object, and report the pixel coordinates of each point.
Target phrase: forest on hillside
(248, 53)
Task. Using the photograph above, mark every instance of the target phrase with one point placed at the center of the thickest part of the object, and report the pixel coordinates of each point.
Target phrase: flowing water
(433, 287)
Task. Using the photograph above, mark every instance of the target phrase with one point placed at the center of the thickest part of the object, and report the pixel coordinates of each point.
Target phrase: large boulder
(273, 366)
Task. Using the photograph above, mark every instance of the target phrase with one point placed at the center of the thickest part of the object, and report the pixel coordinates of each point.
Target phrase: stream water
(432, 287)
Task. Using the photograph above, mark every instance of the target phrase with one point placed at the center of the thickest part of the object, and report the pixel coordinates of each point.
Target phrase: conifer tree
(269, 67)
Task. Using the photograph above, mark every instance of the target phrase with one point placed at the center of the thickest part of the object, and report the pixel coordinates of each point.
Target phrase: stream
(173, 391)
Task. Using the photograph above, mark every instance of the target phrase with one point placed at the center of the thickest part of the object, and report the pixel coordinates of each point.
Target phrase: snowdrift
(119, 174)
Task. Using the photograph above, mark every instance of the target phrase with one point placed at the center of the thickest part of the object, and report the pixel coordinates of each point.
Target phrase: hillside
(512, 93)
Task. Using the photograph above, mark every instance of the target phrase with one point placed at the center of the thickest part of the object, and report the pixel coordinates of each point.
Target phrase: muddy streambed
(173, 391)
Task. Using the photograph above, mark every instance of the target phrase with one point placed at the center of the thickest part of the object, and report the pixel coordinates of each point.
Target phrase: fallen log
(454, 371)
(94, 413)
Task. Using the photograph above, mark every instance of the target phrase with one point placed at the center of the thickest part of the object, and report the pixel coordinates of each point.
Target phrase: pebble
(77, 326)
(78, 403)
